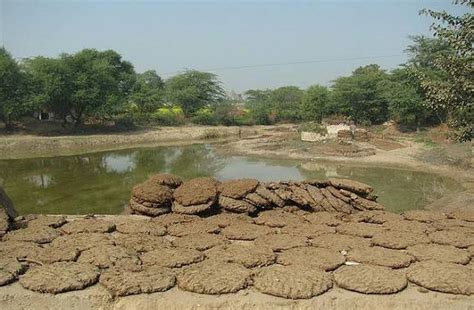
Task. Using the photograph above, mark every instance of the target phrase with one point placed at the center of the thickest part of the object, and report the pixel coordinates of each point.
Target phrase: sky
(278, 43)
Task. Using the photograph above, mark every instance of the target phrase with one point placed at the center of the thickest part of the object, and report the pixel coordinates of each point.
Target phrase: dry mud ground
(354, 262)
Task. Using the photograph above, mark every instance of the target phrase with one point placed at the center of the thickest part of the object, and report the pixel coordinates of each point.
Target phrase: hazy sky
(169, 36)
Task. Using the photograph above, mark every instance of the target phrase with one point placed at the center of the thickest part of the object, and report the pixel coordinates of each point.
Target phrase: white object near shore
(312, 136)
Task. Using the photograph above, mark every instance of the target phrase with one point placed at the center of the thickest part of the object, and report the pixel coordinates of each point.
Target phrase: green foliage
(12, 85)
(88, 83)
(204, 116)
(286, 103)
(315, 101)
(148, 92)
(453, 93)
(193, 90)
(313, 127)
(168, 116)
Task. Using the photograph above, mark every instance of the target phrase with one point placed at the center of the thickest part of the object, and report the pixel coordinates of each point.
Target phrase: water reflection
(101, 182)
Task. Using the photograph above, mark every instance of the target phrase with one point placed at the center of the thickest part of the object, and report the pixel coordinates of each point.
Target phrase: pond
(100, 183)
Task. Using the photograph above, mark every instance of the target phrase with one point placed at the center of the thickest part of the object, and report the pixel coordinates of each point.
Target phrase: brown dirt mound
(172, 257)
(280, 242)
(187, 228)
(54, 221)
(154, 193)
(452, 237)
(465, 215)
(443, 277)
(308, 230)
(192, 209)
(237, 189)
(111, 256)
(423, 216)
(339, 242)
(324, 218)
(199, 241)
(173, 218)
(141, 243)
(292, 282)
(123, 283)
(365, 230)
(244, 231)
(369, 279)
(196, 191)
(52, 254)
(212, 277)
(83, 241)
(225, 219)
(236, 205)
(398, 239)
(278, 218)
(247, 255)
(311, 257)
(149, 211)
(88, 226)
(19, 250)
(59, 277)
(166, 179)
(38, 234)
(409, 226)
(380, 256)
(10, 269)
(439, 253)
(142, 227)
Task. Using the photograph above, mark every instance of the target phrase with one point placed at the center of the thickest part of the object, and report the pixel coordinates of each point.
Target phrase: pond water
(100, 183)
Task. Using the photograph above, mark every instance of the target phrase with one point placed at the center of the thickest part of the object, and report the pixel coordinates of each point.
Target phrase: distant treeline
(434, 86)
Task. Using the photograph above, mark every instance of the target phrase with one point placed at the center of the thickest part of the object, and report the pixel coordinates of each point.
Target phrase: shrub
(168, 116)
(205, 116)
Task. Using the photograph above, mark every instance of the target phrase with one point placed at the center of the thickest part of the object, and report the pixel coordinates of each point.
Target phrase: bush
(313, 127)
(204, 116)
(168, 116)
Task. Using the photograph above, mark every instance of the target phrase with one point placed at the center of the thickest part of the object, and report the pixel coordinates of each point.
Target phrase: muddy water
(100, 183)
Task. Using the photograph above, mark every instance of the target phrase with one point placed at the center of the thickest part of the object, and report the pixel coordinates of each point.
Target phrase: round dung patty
(19, 249)
(122, 283)
(199, 241)
(10, 268)
(172, 257)
(227, 218)
(143, 227)
(311, 257)
(214, 277)
(197, 226)
(423, 216)
(82, 241)
(236, 205)
(308, 230)
(152, 192)
(53, 253)
(292, 282)
(166, 179)
(380, 256)
(398, 239)
(278, 218)
(88, 226)
(365, 230)
(452, 237)
(59, 277)
(149, 211)
(409, 226)
(339, 242)
(237, 188)
(191, 209)
(369, 279)
(196, 191)
(465, 215)
(38, 234)
(439, 253)
(443, 277)
(324, 218)
(279, 242)
(245, 231)
(54, 221)
(247, 255)
(141, 243)
(111, 256)
(174, 218)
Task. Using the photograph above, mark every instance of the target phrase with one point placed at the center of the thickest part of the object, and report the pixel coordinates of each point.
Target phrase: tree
(88, 83)
(193, 90)
(360, 97)
(286, 102)
(453, 93)
(12, 83)
(148, 92)
(315, 102)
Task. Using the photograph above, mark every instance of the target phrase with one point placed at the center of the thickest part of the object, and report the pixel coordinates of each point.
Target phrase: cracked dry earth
(369, 253)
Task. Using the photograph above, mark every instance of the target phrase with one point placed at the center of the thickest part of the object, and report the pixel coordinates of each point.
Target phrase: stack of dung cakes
(151, 197)
(195, 196)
